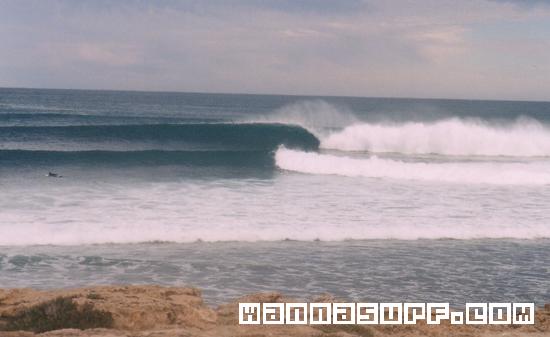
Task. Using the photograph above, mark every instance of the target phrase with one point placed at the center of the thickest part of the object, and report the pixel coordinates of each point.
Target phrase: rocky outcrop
(154, 311)
(131, 307)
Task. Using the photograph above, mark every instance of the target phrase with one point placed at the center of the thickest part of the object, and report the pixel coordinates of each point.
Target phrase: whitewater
(451, 150)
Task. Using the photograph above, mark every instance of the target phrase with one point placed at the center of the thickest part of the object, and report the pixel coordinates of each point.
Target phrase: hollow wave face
(218, 136)
(501, 173)
(457, 137)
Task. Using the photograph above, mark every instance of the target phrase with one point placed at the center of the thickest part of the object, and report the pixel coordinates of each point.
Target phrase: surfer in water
(53, 175)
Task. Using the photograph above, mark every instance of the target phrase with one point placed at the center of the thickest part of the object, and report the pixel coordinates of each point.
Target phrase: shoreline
(151, 310)
(275, 241)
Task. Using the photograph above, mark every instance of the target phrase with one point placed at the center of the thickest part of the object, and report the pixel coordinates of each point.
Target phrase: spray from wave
(316, 116)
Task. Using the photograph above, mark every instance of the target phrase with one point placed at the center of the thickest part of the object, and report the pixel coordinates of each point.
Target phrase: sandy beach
(179, 311)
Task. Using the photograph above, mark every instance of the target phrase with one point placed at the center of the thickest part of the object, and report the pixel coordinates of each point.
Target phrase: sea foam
(506, 173)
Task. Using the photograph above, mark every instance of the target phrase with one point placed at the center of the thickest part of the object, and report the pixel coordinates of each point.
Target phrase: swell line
(225, 135)
(246, 158)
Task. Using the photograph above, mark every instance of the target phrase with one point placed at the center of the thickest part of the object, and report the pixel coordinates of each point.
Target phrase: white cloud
(439, 44)
(111, 55)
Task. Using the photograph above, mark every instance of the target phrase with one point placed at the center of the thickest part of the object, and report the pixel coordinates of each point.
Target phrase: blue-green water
(421, 199)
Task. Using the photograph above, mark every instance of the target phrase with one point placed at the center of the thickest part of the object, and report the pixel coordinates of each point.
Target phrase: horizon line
(287, 94)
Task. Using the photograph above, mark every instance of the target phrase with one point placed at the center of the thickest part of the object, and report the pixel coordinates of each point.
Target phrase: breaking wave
(461, 137)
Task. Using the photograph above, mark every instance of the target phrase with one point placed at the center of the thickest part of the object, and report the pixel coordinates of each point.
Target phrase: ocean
(364, 198)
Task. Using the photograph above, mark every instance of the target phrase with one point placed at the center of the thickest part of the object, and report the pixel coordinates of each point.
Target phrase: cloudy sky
(496, 49)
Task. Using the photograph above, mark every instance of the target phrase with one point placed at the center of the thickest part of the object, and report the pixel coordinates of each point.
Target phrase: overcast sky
(496, 49)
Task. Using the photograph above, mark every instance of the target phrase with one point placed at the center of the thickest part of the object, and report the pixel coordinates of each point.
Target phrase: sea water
(365, 198)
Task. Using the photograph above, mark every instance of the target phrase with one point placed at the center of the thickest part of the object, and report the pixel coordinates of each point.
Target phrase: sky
(482, 49)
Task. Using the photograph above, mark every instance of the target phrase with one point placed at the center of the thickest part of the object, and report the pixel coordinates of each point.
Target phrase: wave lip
(374, 167)
(455, 136)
